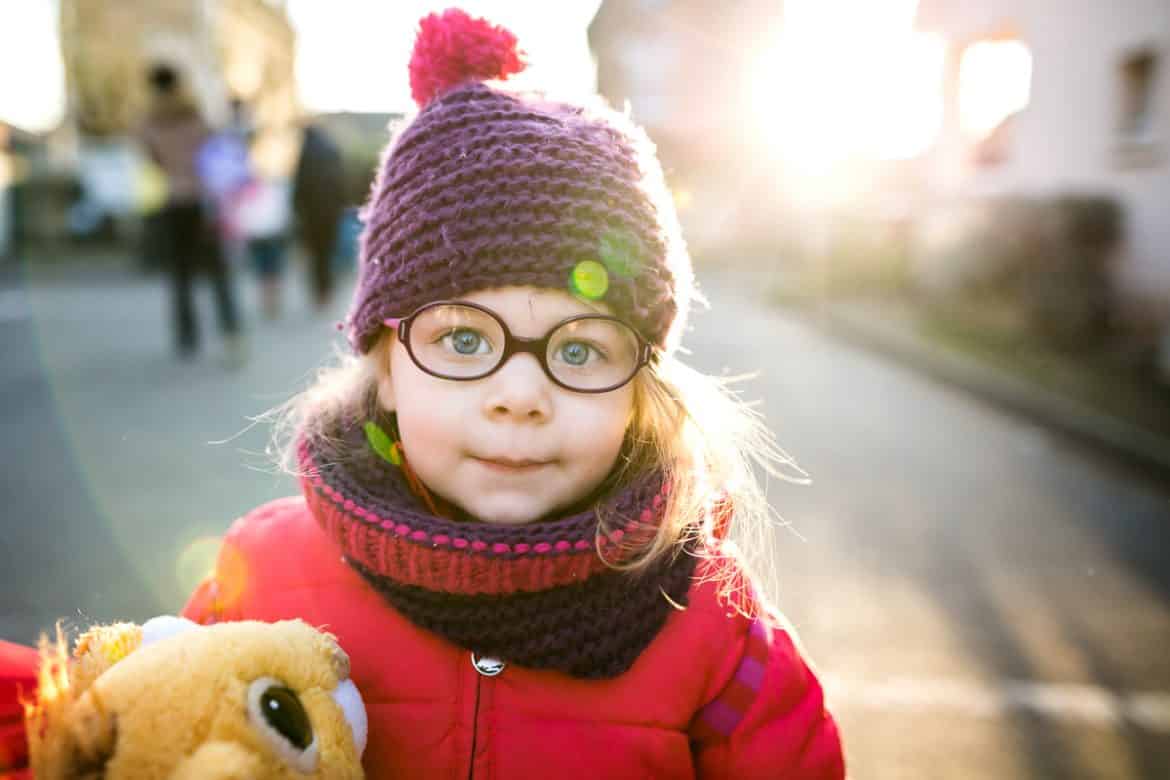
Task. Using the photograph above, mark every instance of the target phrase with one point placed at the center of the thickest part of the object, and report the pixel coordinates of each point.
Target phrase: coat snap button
(488, 667)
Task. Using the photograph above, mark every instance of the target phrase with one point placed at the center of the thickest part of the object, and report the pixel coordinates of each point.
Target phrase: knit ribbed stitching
(506, 151)
(593, 629)
(446, 121)
(606, 202)
(416, 218)
(489, 146)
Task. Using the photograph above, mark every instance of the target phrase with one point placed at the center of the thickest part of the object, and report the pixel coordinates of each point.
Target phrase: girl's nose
(519, 390)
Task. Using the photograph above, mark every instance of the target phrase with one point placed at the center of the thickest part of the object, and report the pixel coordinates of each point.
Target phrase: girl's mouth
(511, 465)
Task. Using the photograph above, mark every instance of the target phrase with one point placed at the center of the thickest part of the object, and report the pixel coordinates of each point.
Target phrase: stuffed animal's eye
(284, 713)
(277, 712)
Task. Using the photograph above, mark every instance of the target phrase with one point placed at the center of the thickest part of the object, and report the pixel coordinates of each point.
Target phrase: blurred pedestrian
(260, 212)
(253, 211)
(173, 134)
(318, 205)
(223, 162)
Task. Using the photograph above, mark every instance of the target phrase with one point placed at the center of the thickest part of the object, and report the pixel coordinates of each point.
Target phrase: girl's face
(512, 447)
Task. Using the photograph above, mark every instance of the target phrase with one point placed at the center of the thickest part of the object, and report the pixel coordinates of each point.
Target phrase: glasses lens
(456, 341)
(593, 354)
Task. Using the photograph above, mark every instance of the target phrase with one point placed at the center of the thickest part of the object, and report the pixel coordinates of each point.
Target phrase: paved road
(991, 598)
(985, 599)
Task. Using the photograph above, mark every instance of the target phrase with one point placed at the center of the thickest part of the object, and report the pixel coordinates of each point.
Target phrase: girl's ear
(384, 350)
(386, 393)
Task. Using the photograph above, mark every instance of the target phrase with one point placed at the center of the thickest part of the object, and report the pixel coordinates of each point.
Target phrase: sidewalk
(895, 332)
(69, 265)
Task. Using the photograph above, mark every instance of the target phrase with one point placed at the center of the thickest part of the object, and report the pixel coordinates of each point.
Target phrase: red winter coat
(714, 695)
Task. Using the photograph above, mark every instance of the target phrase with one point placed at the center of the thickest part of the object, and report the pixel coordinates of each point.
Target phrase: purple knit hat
(486, 188)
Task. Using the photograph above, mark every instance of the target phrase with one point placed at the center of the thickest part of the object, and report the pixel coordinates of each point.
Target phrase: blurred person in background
(252, 210)
(261, 215)
(173, 134)
(224, 169)
(318, 204)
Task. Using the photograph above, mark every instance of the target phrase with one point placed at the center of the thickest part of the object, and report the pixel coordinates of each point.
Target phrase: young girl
(516, 500)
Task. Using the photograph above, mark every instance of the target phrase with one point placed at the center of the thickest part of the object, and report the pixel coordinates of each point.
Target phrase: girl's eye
(467, 342)
(576, 353)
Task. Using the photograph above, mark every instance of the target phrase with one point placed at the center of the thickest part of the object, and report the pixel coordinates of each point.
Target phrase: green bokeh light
(589, 279)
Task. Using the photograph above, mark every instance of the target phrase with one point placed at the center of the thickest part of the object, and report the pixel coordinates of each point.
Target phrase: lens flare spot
(619, 252)
(231, 575)
(382, 444)
(589, 279)
(196, 562)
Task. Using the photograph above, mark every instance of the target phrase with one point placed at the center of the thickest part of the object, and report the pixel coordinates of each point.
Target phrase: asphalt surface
(983, 597)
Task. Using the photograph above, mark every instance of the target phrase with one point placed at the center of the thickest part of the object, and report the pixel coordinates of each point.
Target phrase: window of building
(1139, 142)
(995, 84)
(1138, 78)
(995, 81)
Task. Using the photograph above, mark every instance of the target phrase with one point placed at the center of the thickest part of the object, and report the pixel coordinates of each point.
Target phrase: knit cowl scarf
(539, 595)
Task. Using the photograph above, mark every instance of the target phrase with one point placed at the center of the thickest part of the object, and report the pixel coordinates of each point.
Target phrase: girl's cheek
(604, 427)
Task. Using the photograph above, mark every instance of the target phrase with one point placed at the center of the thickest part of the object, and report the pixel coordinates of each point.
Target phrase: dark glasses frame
(538, 348)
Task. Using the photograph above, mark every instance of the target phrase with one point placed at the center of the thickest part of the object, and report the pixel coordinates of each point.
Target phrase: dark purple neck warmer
(537, 595)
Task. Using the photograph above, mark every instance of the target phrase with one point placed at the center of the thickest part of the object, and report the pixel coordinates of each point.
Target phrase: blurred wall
(1077, 133)
(681, 67)
(225, 48)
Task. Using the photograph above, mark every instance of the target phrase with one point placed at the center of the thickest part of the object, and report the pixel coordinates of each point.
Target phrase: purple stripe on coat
(721, 717)
(750, 673)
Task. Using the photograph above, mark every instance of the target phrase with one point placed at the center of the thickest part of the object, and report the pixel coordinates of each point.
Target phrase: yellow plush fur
(190, 705)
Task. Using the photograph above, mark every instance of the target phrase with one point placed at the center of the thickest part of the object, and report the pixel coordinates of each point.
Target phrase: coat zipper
(474, 728)
(485, 666)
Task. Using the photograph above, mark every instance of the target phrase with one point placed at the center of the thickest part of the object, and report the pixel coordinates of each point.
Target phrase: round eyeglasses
(463, 341)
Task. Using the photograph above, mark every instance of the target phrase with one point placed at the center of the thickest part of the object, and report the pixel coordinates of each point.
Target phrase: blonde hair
(717, 454)
(692, 427)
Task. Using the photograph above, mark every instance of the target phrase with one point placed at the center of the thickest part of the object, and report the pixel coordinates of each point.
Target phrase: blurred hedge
(1050, 257)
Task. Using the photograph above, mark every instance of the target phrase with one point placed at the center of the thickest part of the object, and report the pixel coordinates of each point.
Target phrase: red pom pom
(453, 47)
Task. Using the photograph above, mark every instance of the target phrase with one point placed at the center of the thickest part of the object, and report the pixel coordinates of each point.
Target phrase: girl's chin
(505, 518)
(505, 512)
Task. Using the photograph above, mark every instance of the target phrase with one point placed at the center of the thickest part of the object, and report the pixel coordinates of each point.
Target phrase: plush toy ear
(97, 650)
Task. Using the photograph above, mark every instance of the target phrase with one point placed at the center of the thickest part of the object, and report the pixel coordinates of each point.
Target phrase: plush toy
(176, 701)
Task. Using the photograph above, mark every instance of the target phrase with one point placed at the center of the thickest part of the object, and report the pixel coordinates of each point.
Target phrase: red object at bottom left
(18, 682)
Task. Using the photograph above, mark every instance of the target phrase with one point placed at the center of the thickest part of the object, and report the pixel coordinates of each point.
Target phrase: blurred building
(361, 138)
(8, 174)
(225, 50)
(23, 156)
(680, 67)
(1094, 81)
(1034, 98)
